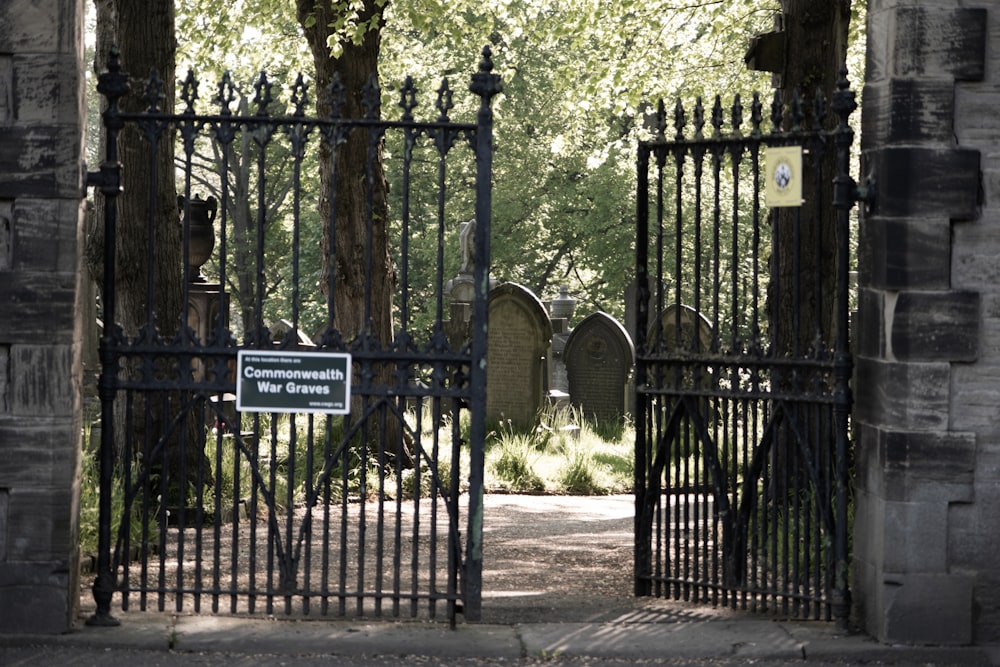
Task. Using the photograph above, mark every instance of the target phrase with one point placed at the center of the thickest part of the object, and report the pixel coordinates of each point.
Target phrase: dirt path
(557, 558)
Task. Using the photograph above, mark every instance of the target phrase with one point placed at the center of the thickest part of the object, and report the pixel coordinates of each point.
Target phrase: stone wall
(928, 366)
(41, 187)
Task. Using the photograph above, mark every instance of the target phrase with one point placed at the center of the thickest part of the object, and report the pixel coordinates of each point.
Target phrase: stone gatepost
(41, 218)
(927, 390)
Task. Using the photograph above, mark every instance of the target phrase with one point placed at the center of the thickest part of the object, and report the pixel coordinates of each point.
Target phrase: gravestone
(519, 337)
(678, 327)
(283, 329)
(599, 359)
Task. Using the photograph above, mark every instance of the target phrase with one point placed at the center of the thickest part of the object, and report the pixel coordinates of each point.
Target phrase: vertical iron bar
(373, 158)
(432, 562)
(309, 479)
(271, 499)
(298, 136)
(328, 462)
(380, 520)
(642, 527)
(345, 465)
(442, 143)
(409, 142)
(655, 350)
(112, 84)
(454, 539)
(333, 137)
(397, 555)
(844, 105)
(486, 85)
(159, 451)
(363, 490)
(188, 132)
(415, 531)
(288, 564)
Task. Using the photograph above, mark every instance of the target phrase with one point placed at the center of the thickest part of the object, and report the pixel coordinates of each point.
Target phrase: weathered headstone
(519, 337)
(283, 329)
(677, 329)
(599, 359)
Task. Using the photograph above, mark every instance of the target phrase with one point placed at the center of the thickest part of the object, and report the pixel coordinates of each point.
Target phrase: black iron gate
(743, 399)
(295, 510)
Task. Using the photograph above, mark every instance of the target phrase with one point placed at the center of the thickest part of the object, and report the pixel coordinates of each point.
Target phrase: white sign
(272, 381)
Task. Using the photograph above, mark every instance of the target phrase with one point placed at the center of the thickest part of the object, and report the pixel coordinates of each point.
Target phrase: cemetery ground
(566, 468)
(564, 454)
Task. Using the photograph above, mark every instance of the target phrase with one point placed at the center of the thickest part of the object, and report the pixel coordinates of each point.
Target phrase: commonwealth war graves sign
(271, 381)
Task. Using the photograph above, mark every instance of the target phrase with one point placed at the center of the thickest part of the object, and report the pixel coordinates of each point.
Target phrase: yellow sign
(784, 176)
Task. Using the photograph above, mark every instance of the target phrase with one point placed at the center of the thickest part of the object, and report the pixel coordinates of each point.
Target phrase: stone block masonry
(41, 220)
(925, 366)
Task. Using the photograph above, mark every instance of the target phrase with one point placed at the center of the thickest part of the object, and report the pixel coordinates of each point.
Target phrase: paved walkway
(660, 633)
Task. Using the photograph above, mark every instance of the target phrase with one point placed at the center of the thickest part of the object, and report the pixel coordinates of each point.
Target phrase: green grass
(565, 454)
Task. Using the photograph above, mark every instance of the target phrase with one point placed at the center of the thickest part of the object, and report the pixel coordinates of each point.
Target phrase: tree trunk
(148, 217)
(803, 259)
(802, 293)
(361, 272)
(353, 313)
(144, 35)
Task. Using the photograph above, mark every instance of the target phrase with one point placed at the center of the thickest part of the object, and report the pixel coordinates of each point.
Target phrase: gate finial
(485, 83)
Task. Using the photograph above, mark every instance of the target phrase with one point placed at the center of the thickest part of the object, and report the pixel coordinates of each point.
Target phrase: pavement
(653, 633)
(556, 592)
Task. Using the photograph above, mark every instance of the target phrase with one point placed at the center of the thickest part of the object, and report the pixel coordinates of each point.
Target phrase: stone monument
(460, 291)
(599, 359)
(680, 329)
(560, 314)
(520, 334)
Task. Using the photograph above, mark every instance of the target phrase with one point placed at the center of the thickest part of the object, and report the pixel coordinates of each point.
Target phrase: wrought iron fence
(743, 362)
(375, 508)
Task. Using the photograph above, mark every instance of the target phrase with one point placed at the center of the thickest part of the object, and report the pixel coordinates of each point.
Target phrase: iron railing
(378, 511)
(743, 366)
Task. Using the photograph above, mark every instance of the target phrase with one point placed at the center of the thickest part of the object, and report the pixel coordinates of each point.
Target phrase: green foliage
(565, 454)
(577, 74)
(240, 36)
(514, 467)
(579, 477)
(142, 529)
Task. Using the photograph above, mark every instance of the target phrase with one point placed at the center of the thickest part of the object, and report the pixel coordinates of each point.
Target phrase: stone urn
(563, 305)
(201, 234)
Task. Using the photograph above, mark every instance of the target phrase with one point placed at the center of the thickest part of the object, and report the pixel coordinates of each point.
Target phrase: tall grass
(90, 480)
(565, 454)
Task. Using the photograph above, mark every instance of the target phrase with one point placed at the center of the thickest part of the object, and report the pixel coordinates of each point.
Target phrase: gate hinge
(107, 179)
(866, 193)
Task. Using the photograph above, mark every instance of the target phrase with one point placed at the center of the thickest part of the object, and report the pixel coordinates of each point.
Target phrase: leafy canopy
(576, 74)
